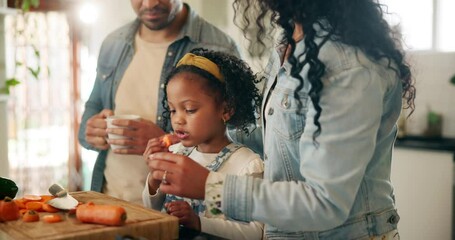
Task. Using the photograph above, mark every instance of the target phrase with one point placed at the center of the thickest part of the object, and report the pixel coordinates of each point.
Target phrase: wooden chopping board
(141, 223)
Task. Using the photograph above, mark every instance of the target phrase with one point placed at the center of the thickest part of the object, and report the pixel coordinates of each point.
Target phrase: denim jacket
(340, 187)
(116, 54)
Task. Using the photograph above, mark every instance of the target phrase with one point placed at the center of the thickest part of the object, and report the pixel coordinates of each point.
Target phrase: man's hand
(137, 133)
(95, 131)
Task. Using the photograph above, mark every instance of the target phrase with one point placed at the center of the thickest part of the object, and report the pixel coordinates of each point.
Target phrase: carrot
(37, 206)
(101, 214)
(20, 203)
(30, 216)
(45, 198)
(8, 210)
(52, 218)
(166, 140)
(32, 197)
(22, 211)
(48, 208)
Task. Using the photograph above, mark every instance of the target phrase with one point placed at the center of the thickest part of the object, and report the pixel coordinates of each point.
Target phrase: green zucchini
(8, 188)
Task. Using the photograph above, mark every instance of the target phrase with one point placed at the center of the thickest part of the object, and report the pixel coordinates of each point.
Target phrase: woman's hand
(184, 177)
(187, 217)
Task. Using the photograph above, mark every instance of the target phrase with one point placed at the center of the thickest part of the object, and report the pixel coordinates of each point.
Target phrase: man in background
(132, 65)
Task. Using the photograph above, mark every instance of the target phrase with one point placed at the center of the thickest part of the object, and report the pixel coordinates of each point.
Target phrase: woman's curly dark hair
(238, 90)
(358, 23)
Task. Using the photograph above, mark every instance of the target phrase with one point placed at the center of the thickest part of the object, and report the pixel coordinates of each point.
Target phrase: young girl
(204, 93)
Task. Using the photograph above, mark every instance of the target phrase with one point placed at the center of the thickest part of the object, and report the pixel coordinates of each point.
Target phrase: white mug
(110, 125)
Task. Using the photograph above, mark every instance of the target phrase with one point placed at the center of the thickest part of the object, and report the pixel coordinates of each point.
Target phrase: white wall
(432, 72)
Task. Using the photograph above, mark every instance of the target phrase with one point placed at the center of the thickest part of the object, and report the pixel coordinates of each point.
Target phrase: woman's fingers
(184, 177)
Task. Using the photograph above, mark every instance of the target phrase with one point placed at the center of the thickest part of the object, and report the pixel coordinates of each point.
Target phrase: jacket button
(270, 111)
(285, 103)
(159, 118)
(393, 219)
(162, 86)
(170, 54)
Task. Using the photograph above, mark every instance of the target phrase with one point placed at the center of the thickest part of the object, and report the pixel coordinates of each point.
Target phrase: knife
(63, 200)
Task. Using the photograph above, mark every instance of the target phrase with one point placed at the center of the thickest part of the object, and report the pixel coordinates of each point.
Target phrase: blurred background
(52, 51)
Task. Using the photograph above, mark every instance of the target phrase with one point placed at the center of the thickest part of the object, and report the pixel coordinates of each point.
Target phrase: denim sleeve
(331, 170)
(92, 107)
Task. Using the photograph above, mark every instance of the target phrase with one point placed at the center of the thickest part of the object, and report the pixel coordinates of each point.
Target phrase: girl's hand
(187, 217)
(184, 177)
(159, 144)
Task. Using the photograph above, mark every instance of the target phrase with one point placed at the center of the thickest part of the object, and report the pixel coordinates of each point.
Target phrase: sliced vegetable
(166, 140)
(37, 206)
(22, 211)
(8, 210)
(20, 203)
(32, 197)
(30, 216)
(52, 218)
(48, 208)
(45, 198)
(101, 214)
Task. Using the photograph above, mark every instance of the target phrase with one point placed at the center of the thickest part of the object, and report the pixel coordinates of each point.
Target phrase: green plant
(452, 80)
(25, 6)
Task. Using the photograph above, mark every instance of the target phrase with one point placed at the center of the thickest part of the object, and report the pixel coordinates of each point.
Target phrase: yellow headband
(202, 63)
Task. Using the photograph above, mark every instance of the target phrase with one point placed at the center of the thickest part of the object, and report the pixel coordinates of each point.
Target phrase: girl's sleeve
(215, 223)
(154, 201)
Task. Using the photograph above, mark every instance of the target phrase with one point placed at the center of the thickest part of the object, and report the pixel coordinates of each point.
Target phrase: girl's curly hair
(238, 90)
(358, 23)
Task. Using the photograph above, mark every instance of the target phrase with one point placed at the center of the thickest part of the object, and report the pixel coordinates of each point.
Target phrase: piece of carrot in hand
(101, 214)
(30, 216)
(166, 140)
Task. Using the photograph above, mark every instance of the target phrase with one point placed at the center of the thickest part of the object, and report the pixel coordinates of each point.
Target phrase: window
(39, 110)
(425, 24)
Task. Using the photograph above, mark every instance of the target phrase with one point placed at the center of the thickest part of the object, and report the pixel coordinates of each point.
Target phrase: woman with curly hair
(206, 92)
(333, 94)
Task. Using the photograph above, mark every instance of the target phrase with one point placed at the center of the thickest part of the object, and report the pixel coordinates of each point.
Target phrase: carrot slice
(52, 218)
(22, 211)
(20, 203)
(37, 206)
(30, 216)
(45, 198)
(32, 197)
(166, 140)
(48, 208)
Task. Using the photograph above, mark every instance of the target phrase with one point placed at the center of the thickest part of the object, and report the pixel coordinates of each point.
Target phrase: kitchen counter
(426, 143)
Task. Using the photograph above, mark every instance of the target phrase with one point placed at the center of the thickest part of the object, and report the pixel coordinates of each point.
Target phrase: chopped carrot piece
(45, 198)
(32, 197)
(20, 203)
(48, 208)
(52, 218)
(37, 206)
(22, 211)
(167, 140)
(30, 216)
